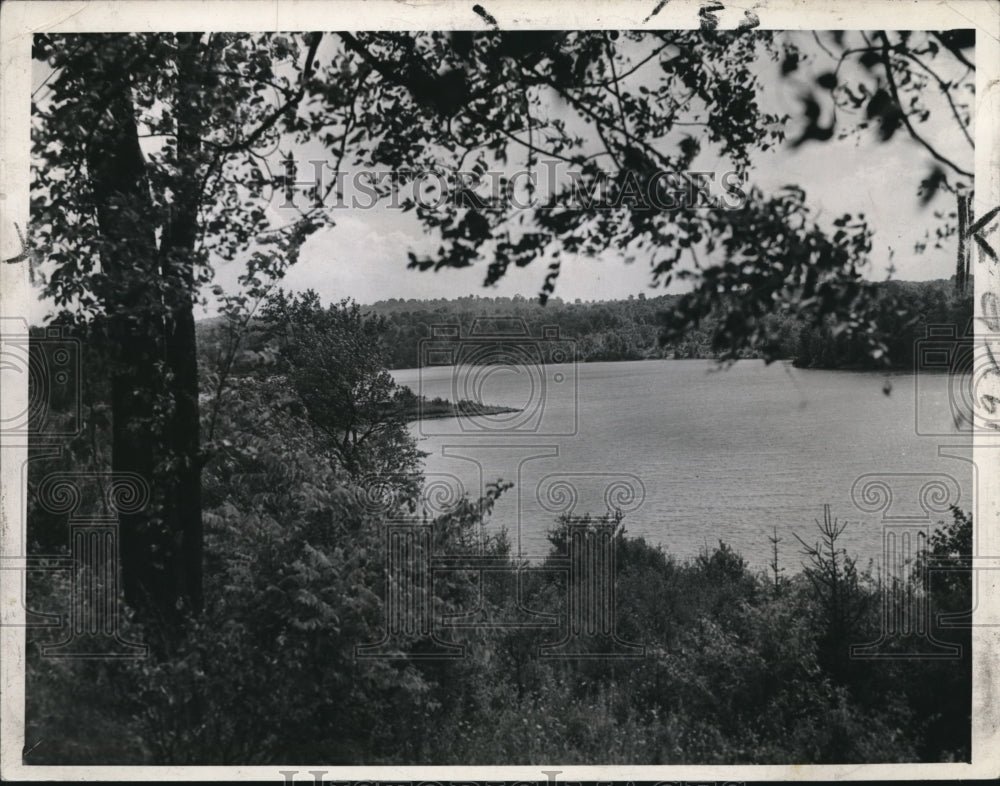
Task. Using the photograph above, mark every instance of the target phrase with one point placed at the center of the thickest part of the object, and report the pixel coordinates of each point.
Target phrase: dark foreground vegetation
(305, 463)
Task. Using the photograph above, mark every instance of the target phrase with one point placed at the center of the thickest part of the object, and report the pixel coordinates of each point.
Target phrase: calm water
(691, 453)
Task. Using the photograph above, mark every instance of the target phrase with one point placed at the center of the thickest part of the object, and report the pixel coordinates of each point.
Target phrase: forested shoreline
(631, 329)
(634, 329)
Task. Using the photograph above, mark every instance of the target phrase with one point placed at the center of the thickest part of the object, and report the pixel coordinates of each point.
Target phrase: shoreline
(439, 409)
(485, 411)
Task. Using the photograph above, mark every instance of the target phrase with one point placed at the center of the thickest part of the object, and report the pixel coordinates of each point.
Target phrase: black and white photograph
(524, 391)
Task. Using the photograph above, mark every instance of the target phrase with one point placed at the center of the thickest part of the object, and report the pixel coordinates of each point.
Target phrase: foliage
(633, 329)
(294, 570)
(152, 162)
(886, 83)
(333, 359)
(899, 79)
(733, 673)
(842, 604)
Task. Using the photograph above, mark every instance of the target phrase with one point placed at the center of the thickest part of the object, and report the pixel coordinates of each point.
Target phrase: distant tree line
(634, 329)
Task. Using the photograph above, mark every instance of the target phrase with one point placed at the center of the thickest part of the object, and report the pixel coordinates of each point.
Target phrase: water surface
(718, 454)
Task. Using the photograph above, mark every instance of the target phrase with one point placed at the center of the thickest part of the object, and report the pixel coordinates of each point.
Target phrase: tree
(944, 571)
(900, 81)
(334, 360)
(129, 231)
(838, 591)
(151, 161)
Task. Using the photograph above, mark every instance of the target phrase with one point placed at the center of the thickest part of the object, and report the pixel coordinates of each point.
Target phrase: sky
(364, 256)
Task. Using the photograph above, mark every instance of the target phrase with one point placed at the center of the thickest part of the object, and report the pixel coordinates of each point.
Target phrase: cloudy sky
(364, 256)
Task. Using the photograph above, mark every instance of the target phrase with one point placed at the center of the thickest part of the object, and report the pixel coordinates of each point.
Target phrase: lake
(693, 453)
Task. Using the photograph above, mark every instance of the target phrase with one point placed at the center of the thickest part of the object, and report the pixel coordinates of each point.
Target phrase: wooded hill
(632, 329)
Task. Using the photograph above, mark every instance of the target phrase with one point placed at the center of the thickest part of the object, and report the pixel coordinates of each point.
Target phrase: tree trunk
(962, 268)
(124, 212)
(178, 259)
(155, 415)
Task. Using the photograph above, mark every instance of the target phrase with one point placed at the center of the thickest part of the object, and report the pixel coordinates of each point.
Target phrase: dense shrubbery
(733, 671)
(739, 667)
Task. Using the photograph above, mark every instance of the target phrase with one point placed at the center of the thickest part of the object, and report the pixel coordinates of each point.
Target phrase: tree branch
(906, 118)
(947, 94)
(955, 51)
(292, 101)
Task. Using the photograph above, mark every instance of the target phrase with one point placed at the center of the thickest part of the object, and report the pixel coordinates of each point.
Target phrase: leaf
(878, 104)
(869, 60)
(931, 184)
(827, 80)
